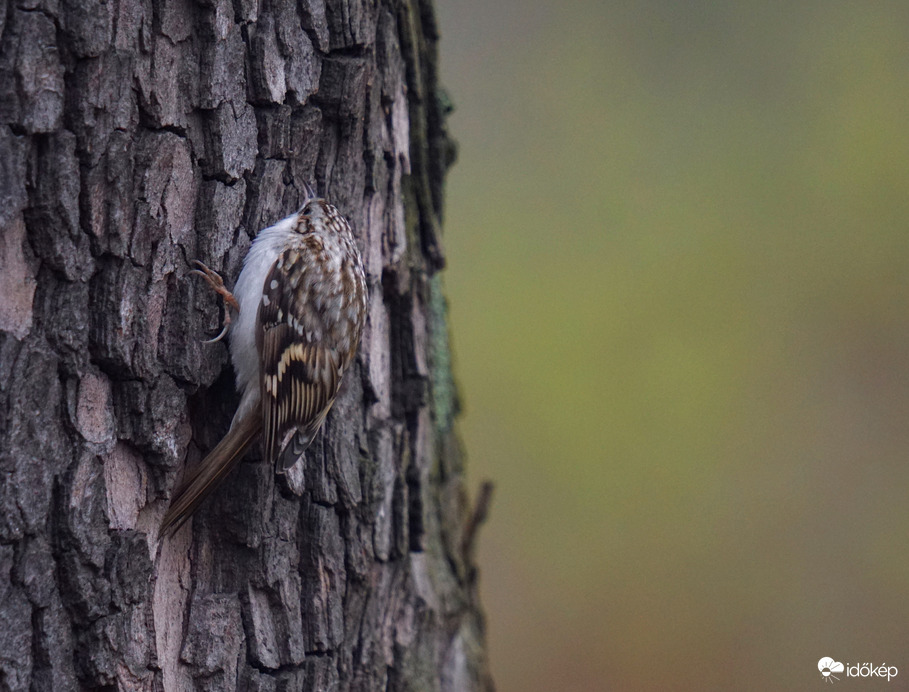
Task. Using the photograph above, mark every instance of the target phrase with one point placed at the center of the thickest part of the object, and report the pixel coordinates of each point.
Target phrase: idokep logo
(828, 667)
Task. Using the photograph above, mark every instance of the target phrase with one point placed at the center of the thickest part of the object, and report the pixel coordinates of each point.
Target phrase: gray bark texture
(136, 136)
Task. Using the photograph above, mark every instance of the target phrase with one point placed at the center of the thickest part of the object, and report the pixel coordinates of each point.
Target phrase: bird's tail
(210, 472)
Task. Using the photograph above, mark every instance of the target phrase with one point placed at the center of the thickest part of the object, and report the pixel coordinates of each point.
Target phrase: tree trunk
(140, 135)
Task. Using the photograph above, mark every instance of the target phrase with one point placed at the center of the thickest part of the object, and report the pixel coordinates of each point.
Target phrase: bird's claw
(217, 285)
(221, 335)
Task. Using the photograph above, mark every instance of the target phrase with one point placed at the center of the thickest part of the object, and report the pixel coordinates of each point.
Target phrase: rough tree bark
(138, 135)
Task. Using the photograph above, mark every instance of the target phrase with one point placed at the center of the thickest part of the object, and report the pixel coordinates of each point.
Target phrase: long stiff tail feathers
(210, 472)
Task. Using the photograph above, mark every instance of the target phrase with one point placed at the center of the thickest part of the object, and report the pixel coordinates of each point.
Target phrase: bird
(294, 321)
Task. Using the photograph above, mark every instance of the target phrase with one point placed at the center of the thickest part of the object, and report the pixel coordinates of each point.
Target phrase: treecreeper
(294, 322)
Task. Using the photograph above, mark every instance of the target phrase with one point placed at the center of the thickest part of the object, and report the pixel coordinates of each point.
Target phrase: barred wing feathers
(307, 339)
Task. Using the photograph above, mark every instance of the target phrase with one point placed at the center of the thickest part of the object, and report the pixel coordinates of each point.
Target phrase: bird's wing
(300, 369)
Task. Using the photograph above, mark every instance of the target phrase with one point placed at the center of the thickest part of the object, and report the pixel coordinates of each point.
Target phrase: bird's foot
(217, 285)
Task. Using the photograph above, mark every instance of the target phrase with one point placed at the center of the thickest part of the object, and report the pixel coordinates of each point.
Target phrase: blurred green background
(679, 286)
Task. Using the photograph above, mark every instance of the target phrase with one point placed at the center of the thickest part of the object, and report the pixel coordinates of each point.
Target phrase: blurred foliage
(679, 286)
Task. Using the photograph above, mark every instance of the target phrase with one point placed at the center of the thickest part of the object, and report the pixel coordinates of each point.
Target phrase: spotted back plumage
(309, 326)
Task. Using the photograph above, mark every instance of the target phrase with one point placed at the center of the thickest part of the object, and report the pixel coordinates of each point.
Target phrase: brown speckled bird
(294, 321)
